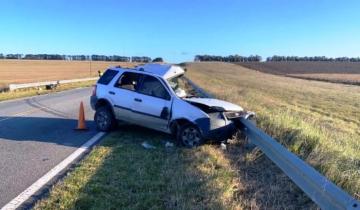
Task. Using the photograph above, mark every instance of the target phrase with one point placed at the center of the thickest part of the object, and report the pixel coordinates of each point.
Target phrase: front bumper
(221, 133)
(218, 127)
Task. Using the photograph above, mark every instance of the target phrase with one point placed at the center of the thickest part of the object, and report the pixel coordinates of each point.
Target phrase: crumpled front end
(220, 124)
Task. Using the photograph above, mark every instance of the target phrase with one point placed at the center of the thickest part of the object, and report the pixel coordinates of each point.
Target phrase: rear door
(152, 104)
(123, 94)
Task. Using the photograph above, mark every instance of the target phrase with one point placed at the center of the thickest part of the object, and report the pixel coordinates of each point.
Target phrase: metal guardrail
(199, 89)
(319, 189)
(38, 84)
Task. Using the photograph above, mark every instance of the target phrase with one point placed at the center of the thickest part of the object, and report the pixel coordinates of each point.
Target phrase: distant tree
(230, 58)
(140, 59)
(13, 56)
(158, 59)
(1, 56)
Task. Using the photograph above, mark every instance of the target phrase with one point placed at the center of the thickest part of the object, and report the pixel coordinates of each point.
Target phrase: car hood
(215, 103)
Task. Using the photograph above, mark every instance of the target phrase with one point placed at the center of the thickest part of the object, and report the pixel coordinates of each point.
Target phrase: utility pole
(90, 66)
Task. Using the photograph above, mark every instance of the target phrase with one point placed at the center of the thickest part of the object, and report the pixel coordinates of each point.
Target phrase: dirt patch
(337, 72)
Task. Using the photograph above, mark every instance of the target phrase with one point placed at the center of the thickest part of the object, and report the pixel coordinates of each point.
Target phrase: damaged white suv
(157, 96)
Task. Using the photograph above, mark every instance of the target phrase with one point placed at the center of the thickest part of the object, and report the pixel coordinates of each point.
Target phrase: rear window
(107, 77)
(129, 81)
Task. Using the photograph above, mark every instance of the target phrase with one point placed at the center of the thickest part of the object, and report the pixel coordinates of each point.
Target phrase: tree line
(139, 59)
(230, 58)
(277, 58)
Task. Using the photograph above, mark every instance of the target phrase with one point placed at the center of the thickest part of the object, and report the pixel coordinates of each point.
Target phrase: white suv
(157, 96)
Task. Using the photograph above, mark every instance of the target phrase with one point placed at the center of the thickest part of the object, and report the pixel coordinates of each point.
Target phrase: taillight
(94, 90)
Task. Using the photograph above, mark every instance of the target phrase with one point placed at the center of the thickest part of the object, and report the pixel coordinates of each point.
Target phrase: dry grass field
(353, 79)
(23, 71)
(338, 72)
(318, 121)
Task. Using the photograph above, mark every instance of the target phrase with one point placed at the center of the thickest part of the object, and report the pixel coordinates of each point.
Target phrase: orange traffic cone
(81, 122)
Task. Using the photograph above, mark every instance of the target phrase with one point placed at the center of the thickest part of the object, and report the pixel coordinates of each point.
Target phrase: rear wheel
(104, 119)
(190, 136)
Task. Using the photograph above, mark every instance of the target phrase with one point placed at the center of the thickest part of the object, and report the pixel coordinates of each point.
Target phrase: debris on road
(146, 145)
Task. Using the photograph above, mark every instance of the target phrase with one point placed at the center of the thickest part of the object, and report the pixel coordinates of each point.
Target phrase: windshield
(181, 87)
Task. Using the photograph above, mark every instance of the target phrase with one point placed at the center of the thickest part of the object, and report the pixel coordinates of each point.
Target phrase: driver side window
(153, 87)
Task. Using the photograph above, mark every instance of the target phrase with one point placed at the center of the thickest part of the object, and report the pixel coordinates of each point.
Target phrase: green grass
(34, 91)
(120, 174)
(319, 121)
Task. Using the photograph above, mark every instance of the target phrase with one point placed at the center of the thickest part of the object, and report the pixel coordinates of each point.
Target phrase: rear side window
(107, 77)
(153, 87)
(129, 81)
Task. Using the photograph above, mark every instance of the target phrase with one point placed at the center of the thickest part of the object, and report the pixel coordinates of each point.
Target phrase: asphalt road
(38, 133)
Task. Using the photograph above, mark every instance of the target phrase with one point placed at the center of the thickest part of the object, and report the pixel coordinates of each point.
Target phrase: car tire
(189, 136)
(104, 119)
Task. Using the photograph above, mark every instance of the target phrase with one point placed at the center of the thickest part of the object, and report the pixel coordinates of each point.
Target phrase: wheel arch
(175, 124)
(104, 102)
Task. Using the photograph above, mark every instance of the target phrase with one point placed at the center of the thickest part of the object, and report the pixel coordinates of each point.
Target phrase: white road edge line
(26, 194)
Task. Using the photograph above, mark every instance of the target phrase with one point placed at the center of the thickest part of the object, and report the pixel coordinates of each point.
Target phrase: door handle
(112, 93)
(137, 100)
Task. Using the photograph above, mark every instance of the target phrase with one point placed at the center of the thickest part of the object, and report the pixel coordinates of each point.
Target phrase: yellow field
(23, 71)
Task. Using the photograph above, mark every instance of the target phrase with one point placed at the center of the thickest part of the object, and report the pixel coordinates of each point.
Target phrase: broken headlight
(232, 115)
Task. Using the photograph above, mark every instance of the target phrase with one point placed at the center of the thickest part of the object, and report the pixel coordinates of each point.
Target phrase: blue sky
(179, 29)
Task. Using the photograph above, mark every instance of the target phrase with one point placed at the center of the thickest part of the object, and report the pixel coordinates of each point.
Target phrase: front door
(152, 104)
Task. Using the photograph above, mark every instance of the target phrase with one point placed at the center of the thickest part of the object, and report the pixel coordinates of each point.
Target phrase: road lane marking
(41, 108)
(36, 186)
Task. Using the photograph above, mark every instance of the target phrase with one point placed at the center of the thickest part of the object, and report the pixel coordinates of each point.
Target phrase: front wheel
(190, 136)
(104, 119)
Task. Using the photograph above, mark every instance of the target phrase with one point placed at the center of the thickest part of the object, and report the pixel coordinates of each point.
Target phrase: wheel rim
(191, 137)
(102, 120)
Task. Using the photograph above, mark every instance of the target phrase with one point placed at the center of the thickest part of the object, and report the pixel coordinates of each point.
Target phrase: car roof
(165, 71)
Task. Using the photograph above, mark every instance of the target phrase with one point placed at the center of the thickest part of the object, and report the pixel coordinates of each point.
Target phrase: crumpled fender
(184, 110)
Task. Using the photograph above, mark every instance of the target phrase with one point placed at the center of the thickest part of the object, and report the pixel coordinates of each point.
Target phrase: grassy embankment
(319, 121)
